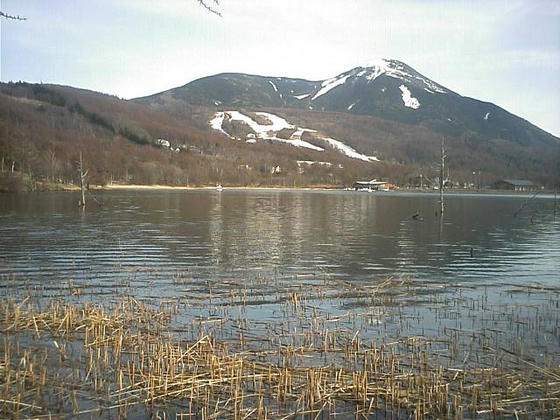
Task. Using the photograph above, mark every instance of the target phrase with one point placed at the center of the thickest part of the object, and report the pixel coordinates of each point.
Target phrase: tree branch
(211, 8)
(7, 16)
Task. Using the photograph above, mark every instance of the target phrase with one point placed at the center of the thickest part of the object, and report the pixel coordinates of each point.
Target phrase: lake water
(185, 245)
(356, 237)
(300, 280)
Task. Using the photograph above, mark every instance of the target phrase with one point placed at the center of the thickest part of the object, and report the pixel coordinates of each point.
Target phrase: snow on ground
(313, 162)
(372, 71)
(408, 99)
(276, 124)
(295, 139)
(348, 151)
(351, 106)
(266, 131)
(486, 116)
(255, 126)
(217, 121)
(299, 132)
(433, 86)
(377, 67)
(275, 88)
(301, 143)
(330, 84)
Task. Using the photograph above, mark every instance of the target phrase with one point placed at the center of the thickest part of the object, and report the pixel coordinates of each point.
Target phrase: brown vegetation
(43, 128)
(131, 357)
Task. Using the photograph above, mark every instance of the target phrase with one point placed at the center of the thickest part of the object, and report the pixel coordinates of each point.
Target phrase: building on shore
(373, 185)
(516, 185)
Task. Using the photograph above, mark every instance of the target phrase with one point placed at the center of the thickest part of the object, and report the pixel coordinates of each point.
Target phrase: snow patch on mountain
(302, 96)
(351, 106)
(273, 86)
(217, 121)
(330, 84)
(255, 126)
(312, 162)
(486, 116)
(276, 124)
(348, 151)
(263, 131)
(300, 143)
(397, 70)
(408, 99)
(374, 69)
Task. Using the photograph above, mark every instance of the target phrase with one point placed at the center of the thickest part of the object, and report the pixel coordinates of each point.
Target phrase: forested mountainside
(383, 109)
(381, 120)
(43, 128)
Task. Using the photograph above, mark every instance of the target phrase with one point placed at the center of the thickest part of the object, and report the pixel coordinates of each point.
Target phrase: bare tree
(211, 6)
(12, 17)
(441, 173)
(83, 175)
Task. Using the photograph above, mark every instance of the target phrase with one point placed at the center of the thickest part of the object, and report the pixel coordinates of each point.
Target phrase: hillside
(384, 109)
(385, 88)
(44, 127)
(381, 120)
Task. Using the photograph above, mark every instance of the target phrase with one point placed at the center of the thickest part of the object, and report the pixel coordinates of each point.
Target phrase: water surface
(152, 236)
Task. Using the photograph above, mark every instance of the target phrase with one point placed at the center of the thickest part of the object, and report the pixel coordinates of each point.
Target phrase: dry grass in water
(205, 356)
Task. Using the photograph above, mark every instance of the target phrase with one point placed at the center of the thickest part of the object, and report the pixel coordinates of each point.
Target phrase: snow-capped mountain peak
(398, 70)
(373, 75)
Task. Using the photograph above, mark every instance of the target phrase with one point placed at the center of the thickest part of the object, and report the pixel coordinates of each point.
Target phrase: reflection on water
(298, 278)
(357, 237)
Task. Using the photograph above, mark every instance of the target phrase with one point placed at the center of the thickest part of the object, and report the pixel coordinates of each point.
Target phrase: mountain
(387, 89)
(384, 110)
(380, 120)
(43, 129)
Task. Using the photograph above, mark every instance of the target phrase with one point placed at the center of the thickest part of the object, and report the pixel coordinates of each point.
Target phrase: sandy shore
(168, 187)
(145, 187)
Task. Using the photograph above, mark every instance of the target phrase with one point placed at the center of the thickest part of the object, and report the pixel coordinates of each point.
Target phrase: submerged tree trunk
(83, 175)
(555, 194)
(441, 172)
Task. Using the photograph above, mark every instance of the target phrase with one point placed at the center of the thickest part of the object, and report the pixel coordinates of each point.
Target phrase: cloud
(137, 47)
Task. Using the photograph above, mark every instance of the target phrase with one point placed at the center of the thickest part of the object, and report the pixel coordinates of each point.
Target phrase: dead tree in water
(555, 193)
(441, 172)
(82, 202)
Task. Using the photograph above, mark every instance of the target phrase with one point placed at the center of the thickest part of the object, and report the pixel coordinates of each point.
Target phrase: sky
(501, 51)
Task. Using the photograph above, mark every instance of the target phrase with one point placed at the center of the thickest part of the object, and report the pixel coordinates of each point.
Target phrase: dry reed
(201, 356)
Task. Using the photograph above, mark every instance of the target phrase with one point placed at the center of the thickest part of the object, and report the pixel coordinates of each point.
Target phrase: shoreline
(159, 187)
(171, 187)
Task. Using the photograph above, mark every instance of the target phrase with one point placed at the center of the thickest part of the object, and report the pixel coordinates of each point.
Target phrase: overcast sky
(505, 52)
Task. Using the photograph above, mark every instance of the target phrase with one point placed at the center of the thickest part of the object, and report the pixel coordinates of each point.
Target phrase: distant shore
(51, 186)
(312, 188)
(171, 187)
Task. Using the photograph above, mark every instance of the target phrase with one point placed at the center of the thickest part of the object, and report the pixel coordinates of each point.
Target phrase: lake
(312, 280)
(353, 236)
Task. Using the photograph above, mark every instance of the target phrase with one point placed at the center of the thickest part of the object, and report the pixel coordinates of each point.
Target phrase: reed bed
(312, 347)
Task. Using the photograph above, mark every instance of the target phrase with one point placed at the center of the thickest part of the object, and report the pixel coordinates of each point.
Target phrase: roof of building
(520, 182)
(372, 182)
